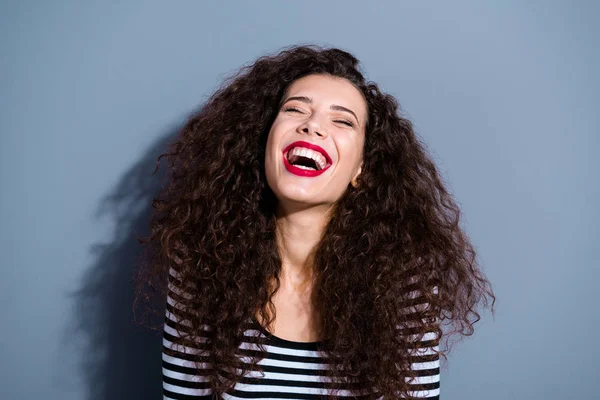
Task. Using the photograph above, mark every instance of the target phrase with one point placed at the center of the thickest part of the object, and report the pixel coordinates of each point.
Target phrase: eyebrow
(308, 100)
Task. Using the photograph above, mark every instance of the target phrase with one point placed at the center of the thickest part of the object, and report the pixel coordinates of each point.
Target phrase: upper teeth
(304, 152)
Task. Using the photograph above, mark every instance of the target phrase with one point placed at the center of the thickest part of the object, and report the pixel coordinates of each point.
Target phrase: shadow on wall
(120, 359)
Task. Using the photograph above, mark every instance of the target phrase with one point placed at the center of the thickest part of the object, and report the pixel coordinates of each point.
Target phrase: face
(315, 145)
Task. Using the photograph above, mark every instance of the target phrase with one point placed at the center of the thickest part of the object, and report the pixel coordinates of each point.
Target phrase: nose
(312, 126)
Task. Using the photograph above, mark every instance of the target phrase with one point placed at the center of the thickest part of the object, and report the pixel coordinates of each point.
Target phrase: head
(393, 229)
(315, 145)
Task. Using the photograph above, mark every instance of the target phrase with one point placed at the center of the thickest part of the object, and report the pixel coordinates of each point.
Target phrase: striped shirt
(292, 370)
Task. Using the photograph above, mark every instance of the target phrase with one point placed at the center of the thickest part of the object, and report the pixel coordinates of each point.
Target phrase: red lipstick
(305, 172)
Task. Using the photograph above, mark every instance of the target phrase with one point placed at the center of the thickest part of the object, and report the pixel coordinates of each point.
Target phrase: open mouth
(307, 157)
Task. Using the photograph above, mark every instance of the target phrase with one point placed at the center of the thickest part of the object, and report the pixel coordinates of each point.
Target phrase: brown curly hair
(395, 233)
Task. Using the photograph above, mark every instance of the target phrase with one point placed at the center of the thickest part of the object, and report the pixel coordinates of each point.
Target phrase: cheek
(275, 132)
(350, 150)
(272, 147)
(272, 139)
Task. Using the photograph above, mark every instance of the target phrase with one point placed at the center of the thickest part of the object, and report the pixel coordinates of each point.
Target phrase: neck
(298, 233)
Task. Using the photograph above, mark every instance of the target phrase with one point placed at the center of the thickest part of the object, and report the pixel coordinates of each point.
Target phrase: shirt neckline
(276, 340)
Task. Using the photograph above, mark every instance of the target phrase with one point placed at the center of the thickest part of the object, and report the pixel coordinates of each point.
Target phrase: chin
(298, 195)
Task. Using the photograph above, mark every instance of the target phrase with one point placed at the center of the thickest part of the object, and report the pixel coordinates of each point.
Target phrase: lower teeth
(303, 167)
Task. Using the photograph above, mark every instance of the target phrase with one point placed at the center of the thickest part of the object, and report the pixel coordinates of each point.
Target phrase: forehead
(329, 90)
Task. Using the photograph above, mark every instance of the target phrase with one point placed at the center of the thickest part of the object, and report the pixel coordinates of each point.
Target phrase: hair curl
(397, 232)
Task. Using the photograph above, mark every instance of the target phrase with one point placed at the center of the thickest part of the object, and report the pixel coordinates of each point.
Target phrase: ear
(354, 179)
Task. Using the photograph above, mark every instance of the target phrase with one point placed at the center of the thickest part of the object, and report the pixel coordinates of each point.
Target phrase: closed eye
(291, 109)
(343, 121)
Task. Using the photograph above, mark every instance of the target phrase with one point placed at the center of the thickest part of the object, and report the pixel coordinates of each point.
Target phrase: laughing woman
(305, 245)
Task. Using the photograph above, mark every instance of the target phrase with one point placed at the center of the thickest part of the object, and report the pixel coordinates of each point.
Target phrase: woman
(310, 245)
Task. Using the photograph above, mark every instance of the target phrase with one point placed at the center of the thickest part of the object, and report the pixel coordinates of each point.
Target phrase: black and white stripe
(293, 370)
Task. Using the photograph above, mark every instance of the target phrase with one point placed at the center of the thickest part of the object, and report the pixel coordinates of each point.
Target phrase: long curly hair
(397, 232)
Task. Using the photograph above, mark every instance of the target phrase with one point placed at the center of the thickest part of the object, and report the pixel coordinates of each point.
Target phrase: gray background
(505, 94)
